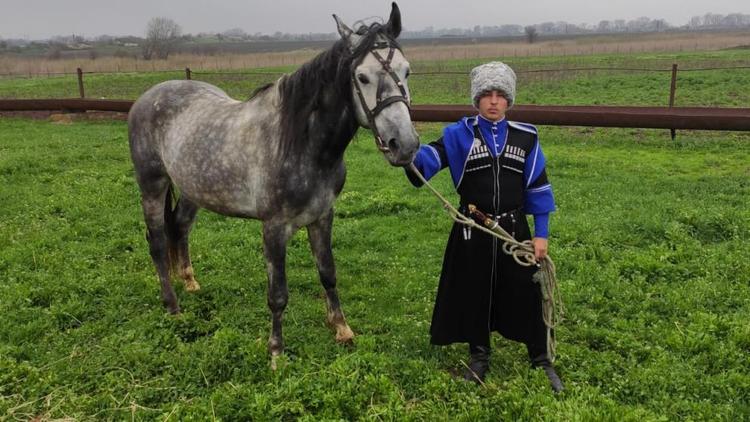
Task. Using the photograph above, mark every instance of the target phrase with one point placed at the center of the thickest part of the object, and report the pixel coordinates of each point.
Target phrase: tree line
(642, 24)
(163, 35)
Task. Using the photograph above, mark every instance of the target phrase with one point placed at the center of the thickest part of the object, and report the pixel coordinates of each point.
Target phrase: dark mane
(260, 90)
(323, 85)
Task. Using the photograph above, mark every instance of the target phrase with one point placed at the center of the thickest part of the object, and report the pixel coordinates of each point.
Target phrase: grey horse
(277, 157)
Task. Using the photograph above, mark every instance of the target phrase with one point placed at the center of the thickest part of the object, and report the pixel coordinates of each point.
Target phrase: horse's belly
(219, 187)
(228, 199)
(256, 197)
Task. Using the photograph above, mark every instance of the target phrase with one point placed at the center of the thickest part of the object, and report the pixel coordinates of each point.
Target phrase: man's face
(492, 105)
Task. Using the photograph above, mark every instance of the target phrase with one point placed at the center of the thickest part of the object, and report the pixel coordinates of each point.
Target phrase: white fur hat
(493, 76)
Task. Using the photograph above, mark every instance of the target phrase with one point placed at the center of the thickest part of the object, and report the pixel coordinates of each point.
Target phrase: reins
(522, 253)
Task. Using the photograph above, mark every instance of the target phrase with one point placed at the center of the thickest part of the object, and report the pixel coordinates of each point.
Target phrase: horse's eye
(362, 78)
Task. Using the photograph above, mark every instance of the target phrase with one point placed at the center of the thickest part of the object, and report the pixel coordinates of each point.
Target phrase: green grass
(649, 240)
(706, 88)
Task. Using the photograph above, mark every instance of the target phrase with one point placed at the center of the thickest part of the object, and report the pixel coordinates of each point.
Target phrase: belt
(512, 213)
(489, 220)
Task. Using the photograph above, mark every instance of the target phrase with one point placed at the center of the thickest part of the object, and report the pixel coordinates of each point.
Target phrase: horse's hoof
(174, 310)
(276, 348)
(188, 276)
(277, 360)
(192, 285)
(344, 335)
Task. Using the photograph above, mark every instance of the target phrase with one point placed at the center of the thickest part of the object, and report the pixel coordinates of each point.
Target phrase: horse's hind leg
(319, 234)
(275, 238)
(153, 199)
(179, 231)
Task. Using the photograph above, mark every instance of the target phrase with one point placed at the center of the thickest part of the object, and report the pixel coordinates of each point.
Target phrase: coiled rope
(523, 253)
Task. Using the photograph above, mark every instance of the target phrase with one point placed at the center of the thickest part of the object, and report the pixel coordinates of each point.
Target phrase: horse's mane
(260, 90)
(327, 78)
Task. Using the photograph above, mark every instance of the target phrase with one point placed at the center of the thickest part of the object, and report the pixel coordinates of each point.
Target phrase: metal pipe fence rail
(684, 118)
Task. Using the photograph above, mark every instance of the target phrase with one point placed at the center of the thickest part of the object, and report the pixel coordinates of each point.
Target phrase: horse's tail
(170, 229)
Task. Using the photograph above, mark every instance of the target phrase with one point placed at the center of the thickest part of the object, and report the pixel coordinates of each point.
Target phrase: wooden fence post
(672, 89)
(80, 82)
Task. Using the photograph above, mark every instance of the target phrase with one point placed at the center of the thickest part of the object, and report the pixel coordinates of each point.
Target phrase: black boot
(478, 365)
(539, 359)
(554, 381)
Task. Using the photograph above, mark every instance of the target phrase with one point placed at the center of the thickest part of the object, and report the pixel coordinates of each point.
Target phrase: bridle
(380, 102)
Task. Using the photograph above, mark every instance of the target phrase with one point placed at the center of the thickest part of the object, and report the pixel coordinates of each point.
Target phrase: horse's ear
(394, 22)
(344, 30)
(352, 39)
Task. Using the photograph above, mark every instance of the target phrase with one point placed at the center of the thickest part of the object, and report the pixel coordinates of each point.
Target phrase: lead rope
(523, 253)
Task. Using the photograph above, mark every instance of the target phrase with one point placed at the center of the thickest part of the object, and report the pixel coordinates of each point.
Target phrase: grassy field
(430, 83)
(650, 242)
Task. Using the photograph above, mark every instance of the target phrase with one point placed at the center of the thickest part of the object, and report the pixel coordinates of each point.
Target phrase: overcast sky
(37, 19)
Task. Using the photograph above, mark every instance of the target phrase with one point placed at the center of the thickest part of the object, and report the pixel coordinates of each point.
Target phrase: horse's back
(169, 106)
(169, 98)
(175, 89)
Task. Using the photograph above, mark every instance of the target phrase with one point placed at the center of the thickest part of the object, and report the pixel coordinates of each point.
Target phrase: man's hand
(540, 247)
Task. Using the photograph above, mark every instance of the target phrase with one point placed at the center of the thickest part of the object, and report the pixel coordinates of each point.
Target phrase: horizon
(440, 32)
(27, 21)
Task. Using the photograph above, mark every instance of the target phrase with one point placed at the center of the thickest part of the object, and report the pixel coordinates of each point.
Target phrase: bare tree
(55, 52)
(531, 34)
(235, 34)
(712, 20)
(162, 35)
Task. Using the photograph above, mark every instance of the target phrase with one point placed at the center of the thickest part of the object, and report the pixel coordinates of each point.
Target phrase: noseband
(381, 102)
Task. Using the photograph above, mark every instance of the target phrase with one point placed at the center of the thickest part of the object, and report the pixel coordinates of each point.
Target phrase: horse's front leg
(275, 238)
(319, 234)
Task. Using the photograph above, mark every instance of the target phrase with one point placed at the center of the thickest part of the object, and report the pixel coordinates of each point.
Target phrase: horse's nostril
(393, 145)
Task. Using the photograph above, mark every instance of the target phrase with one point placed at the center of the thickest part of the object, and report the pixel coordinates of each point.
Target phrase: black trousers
(537, 353)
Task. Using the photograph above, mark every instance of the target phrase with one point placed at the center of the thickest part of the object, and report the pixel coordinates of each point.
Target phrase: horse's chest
(307, 200)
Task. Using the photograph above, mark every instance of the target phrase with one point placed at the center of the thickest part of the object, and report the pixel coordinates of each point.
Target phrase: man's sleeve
(538, 197)
(429, 160)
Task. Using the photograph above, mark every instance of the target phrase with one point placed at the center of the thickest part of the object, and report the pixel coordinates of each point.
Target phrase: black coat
(481, 288)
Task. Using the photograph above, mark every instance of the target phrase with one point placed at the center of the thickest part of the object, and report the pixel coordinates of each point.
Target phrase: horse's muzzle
(401, 155)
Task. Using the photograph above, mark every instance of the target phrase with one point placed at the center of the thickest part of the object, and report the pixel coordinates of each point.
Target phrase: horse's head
(380, 91)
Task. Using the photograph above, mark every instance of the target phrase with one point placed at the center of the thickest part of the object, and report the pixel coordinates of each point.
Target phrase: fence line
(617, 118)
(190, 73)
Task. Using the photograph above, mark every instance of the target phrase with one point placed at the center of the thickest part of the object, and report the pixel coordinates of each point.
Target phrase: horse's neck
(325, 117)
(333, 131)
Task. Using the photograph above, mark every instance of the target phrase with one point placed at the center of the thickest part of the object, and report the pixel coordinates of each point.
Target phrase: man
(499, 167)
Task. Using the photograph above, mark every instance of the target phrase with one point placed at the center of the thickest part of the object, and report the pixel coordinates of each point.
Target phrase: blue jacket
(454, 148)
